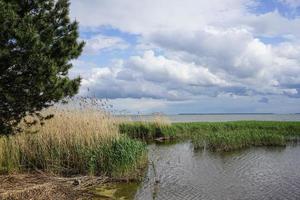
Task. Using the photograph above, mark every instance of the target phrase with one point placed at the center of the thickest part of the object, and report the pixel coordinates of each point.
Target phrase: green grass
(118, 157)
(147, 130)
(219, 136)
(232, 140)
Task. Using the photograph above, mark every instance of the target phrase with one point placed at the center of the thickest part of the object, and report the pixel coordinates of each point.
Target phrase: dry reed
(76, 141)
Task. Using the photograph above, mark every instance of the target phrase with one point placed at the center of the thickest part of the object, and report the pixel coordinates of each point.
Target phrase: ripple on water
(254, 173)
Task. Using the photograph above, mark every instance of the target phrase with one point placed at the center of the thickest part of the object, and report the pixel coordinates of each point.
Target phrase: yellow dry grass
(66, 135)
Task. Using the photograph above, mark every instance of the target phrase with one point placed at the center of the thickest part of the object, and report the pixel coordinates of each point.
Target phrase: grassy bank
(73, 142)
(218, 136)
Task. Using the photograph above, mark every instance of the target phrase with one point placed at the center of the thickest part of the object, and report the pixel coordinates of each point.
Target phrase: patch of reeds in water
(218, 136)
(227, 136)
(232, 140)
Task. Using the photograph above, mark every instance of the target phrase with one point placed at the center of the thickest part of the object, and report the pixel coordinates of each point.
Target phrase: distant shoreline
(164, 114)
(228, 114)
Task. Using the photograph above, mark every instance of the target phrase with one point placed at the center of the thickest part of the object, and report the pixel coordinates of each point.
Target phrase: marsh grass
(232, 140)
(75, 141)
(156, 127)
(219, 136)
(227, 136)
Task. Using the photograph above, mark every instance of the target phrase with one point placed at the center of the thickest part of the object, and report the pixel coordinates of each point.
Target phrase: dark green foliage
(37, 43)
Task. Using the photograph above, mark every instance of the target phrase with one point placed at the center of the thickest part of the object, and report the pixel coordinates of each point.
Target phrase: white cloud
(150, 16)
(207, 48)
(237, 57)
(272, 24)
(101, 42)
(149, 76)
(160, 69)
(146, 16)
(257, 69)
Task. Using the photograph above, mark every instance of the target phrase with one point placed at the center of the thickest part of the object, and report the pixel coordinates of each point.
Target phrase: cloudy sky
(191, 56)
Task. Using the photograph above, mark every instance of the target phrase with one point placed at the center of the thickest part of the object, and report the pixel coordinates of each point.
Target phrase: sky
(190, 56)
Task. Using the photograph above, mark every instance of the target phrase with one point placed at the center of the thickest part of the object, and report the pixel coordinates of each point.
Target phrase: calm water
(179, 172)
(225, 117)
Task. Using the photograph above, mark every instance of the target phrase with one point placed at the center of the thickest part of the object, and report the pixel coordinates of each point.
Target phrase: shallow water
(178, 172)
(118, 191)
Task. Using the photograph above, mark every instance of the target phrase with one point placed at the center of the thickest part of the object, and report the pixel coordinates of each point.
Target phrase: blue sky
(178, 56)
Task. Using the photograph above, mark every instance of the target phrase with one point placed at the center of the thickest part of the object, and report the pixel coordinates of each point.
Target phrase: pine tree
(37, 42)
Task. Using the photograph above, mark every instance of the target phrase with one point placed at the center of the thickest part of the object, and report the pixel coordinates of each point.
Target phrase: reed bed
(75, 141)
(219, 136)
(233, 140)
(227, 136)
(147, 129)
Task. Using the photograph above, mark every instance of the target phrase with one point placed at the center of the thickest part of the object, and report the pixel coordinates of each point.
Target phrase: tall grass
(75, 141)
(232, 140)
(156, 127)
(219, 136)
